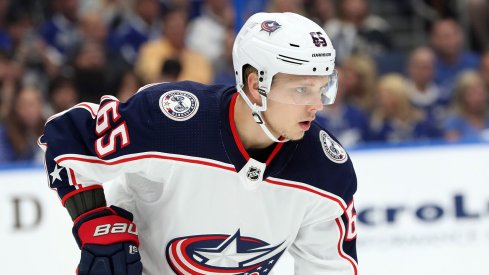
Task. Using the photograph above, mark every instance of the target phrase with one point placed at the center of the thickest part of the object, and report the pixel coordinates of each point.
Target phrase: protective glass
(297, 92)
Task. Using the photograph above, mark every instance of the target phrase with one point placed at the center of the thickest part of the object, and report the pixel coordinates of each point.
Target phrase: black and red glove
(109, 242)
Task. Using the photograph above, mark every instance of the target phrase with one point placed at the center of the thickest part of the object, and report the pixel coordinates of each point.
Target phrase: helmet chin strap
(260, 121)
(257, 116)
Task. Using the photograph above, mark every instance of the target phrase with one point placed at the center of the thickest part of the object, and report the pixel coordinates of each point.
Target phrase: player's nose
(316, 106)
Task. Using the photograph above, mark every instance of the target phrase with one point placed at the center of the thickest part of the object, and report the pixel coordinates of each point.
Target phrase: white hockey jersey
(201, 204)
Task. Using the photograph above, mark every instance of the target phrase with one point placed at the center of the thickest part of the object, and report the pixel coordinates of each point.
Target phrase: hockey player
(219, 180)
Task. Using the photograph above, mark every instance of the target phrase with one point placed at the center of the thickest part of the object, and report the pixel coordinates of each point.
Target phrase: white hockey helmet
(283, 43)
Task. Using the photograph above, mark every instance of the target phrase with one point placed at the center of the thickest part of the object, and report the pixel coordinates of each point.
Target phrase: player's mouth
(305, 125)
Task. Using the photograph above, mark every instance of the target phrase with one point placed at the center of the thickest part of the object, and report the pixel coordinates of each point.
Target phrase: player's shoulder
(332, 152)
(161, 87)
(198, 89)
(179, 101)
(325, 163)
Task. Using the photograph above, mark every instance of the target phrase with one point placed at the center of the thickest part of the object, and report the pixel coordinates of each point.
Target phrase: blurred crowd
(57, 53)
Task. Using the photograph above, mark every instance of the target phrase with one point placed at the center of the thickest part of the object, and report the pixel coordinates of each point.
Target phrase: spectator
(92, 27)
(295, 6)
(478, 15)
(484, 68)
(224, 68)
(62, 94)
(90, 71)
(5, 42)
(28, 50)
(170, 70)
(17, 23)
(210, 29)
(61, 32)
(112, 11)
(3, 11)
(10, 73)
(172, 45)
(470, 119)
(138, 27)
(128, 85)
(443, 9)
(451, 58)
(245, 9)
(321, 11)
(361, 72)
(423, 92)
(22, 126)
(395, 119)
(357, 31)
(347, 122)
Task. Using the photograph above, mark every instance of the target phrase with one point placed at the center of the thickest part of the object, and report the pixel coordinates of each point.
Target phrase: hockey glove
(108, 241)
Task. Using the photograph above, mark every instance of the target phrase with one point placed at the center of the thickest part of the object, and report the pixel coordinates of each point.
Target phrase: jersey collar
(235, 148)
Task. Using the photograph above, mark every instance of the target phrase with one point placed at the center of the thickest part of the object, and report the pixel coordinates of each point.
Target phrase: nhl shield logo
(179, 105)
(332, 149)
(253, 173)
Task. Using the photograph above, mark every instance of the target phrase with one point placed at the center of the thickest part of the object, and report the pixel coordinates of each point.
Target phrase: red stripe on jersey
(89, 108)
(178, 261)
(305, 188)
(237, 140)
(232, 124)
(82, 105)
(340, 248)
(128, 159)
(274, 152)
(72, 176)
(45, 145)
(108, 97)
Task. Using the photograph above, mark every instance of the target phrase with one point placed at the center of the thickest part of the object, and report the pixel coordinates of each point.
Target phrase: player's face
(293, 120)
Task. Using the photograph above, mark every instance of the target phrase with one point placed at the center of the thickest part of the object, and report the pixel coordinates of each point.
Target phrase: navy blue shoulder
(181, 117)
(179, 99)
(322, 162)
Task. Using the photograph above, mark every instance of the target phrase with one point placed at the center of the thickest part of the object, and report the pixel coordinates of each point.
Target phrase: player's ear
(252, 84)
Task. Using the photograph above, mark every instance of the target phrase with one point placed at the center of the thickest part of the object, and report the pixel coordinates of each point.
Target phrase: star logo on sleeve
(56, 174)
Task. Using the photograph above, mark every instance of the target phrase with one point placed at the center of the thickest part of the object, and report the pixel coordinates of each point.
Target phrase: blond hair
(464, 82)
(366, 69)
(396, 85)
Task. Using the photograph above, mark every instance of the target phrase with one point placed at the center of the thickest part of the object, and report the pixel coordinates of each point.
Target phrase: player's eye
(300, 90)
